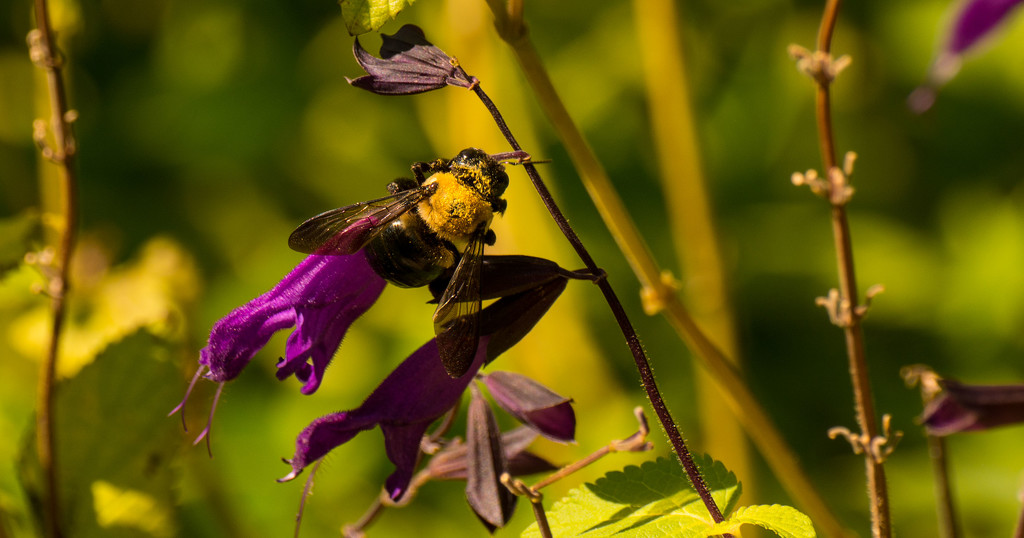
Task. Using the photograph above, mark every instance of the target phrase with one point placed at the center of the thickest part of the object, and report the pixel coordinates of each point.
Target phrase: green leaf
(785, 521)
(16, 233)
(363, 16)
(655, 499)
(115, 443)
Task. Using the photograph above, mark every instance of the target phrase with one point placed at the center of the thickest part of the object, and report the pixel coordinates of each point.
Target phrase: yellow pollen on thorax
(455, 210)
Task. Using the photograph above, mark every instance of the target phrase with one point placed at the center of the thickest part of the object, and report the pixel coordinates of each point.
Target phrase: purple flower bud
(408, 64)
(973, 407)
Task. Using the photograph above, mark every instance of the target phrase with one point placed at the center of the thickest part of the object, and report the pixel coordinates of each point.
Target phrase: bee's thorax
(455, 210)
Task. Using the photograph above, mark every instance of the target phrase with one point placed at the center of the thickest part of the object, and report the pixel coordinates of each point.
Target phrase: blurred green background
(209, 129)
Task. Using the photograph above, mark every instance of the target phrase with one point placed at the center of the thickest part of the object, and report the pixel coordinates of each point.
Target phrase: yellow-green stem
(690, 220)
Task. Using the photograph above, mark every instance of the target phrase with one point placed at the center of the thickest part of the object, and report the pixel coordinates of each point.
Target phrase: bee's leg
(490, 238)
(424, 170)
(402, 184)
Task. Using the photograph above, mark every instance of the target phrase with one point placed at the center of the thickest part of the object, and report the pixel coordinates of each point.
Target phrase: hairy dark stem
(43, 51)
(639, 357)
(848, 304)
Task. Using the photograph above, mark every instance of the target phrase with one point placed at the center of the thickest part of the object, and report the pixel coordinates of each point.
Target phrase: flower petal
(321, 297)
(963, 407)
(533, 404)
(508, 319)
(408, 64)
(492, 502)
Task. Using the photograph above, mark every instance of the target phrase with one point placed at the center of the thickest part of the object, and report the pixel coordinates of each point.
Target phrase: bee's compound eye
(470, 157)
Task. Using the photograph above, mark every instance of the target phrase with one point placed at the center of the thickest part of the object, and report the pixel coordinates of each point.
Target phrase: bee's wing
(347, 229)
(457, 318)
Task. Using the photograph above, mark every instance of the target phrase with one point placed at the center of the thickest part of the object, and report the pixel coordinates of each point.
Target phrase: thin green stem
(849, 307)
(43, 51)
(660, 294)
(690, 219)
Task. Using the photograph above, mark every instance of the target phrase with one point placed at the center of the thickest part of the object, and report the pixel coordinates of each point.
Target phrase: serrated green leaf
(655, 499)
(363, 16)
(115, 443)
(785, 521)
(15, 235)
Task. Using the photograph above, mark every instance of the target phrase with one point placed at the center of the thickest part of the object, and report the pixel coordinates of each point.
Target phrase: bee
(429, 229)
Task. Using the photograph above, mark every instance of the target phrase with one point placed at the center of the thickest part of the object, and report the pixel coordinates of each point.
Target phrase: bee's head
(477, 169)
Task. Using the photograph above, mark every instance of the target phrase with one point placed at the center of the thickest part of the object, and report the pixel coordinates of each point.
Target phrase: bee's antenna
(516, 157)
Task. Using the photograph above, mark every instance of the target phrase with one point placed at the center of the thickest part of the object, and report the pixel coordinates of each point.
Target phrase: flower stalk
(632, 340)
(843, 304)
(946, 511)
(658, 292)
(45, 54)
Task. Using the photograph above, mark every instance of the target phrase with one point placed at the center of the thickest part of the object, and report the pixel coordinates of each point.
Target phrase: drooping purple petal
(408, 64)
(492, 502)
(321, 298)
(415, 394)
(963, 407)
(533, 404)
(509, 319)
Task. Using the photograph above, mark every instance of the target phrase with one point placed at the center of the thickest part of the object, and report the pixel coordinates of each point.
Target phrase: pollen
(455, 210)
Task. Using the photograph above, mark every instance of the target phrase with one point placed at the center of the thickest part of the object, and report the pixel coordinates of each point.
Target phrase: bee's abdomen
(407, 254)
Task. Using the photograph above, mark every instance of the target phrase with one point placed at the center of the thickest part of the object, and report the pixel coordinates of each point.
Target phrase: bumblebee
(429, 229)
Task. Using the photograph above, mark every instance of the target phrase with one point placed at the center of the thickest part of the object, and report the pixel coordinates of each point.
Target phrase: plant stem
(736, 393)
(864, 402)
(542, 520)
(632, 340)
(42, 49)
(943, 491)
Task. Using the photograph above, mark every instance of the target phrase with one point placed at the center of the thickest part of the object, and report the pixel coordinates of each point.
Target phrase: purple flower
(413, 396)
(419, 390)
(962, 407)
(975, 20)
(321, 298)
(408, 64)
